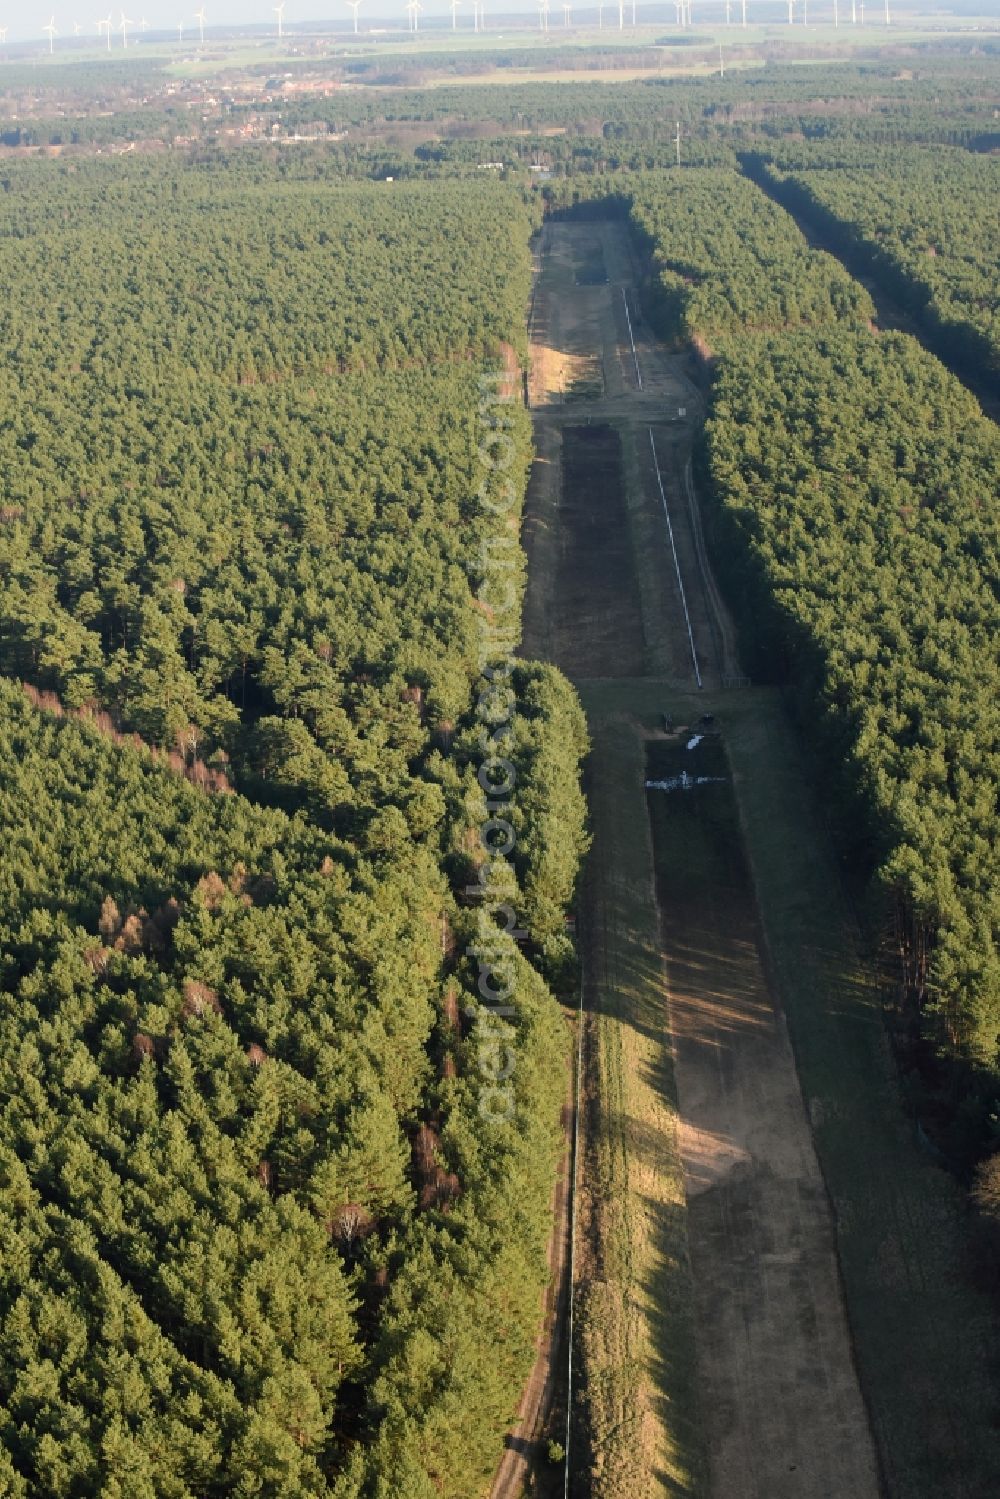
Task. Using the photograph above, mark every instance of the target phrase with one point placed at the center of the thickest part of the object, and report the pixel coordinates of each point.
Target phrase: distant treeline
(587, 126)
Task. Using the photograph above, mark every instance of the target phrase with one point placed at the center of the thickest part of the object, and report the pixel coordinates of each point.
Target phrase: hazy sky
(26, 19)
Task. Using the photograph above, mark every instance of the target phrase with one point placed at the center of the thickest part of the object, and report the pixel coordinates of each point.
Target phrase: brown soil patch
(598, 606)
(780, 1399)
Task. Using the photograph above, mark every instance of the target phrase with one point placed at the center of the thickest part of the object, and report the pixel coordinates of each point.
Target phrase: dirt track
(521, 1456)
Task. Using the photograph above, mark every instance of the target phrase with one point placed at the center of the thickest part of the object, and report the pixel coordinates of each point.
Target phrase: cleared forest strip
(924, 1334)
(781, 1405)
(961, 348)
(642, 1385)
(635, 1294)
(924, 1338)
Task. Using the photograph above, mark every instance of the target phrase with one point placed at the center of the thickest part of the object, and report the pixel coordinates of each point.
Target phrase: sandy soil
(599, 619)
(780, 1397)
(596, 362)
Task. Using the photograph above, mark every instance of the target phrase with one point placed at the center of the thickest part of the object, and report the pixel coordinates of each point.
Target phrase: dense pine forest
(856, 526)
(930, 227)
(263, 1234)
(728, 260)
(276, 1166)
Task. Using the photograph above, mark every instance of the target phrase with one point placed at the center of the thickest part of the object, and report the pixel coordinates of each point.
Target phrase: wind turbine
(76, 28)
(836, 13)
(729, 12)
(567, 12)
(543, 15)
(143, 25)
(52, 33)
(791, 12)
(888, 20)
(744, 12)
(633, 12)
(861, 11)
(3, 35)
(600, 14)
(621, 15)
(180, 33)
(279, 11)
(353, 4)
(454, 13)
(722, 66)
(104, 25)
(125, 23)
(199, 16)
